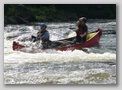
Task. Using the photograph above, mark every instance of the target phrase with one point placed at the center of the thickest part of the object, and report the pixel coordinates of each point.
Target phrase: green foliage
(65, 11)
(10, 11)
(43, 12)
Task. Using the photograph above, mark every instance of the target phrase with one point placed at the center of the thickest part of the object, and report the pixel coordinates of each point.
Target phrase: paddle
(38, 44)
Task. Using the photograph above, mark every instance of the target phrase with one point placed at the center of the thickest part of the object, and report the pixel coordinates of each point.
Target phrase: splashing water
(98, 66)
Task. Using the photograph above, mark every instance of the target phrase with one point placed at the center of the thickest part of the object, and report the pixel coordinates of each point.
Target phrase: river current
(97, 65)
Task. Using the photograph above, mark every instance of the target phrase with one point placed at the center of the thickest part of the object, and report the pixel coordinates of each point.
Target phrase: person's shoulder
(47, 32)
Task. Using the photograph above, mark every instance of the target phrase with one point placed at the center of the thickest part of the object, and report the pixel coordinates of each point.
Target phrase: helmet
(84, 19)
(43, 25)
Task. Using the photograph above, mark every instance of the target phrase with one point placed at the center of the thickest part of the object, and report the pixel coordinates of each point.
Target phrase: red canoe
(92, 39)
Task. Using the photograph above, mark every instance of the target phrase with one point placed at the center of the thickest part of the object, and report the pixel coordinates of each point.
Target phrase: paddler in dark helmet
(82, 30)
(43, 35)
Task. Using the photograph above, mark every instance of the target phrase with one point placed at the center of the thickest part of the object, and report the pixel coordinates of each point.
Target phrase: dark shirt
(81, 30)
(84, 29)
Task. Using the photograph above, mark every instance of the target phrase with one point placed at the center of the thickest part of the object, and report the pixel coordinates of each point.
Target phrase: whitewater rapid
(96, 66)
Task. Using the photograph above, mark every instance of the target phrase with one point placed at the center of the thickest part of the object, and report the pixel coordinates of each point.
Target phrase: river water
(96, 66)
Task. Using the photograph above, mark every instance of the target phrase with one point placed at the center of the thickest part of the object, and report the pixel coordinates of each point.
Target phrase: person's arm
(82, 35)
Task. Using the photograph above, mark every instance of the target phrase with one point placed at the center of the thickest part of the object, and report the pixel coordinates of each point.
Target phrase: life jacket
(40, 34)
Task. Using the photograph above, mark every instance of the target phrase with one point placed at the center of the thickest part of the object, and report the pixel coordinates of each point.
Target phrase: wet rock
(21, 20)
(11, 20)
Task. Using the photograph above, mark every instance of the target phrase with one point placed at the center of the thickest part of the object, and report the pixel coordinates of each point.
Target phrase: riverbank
(27, 13)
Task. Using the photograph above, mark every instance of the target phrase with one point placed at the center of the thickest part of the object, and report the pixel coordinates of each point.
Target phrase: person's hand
(81, 35)
(38, 41)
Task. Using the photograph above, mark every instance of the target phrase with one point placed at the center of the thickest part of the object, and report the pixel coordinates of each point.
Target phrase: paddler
(82, 30)
(43, 35)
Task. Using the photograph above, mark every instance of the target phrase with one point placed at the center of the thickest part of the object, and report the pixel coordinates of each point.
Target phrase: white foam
(58, 56)
(11, 56)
